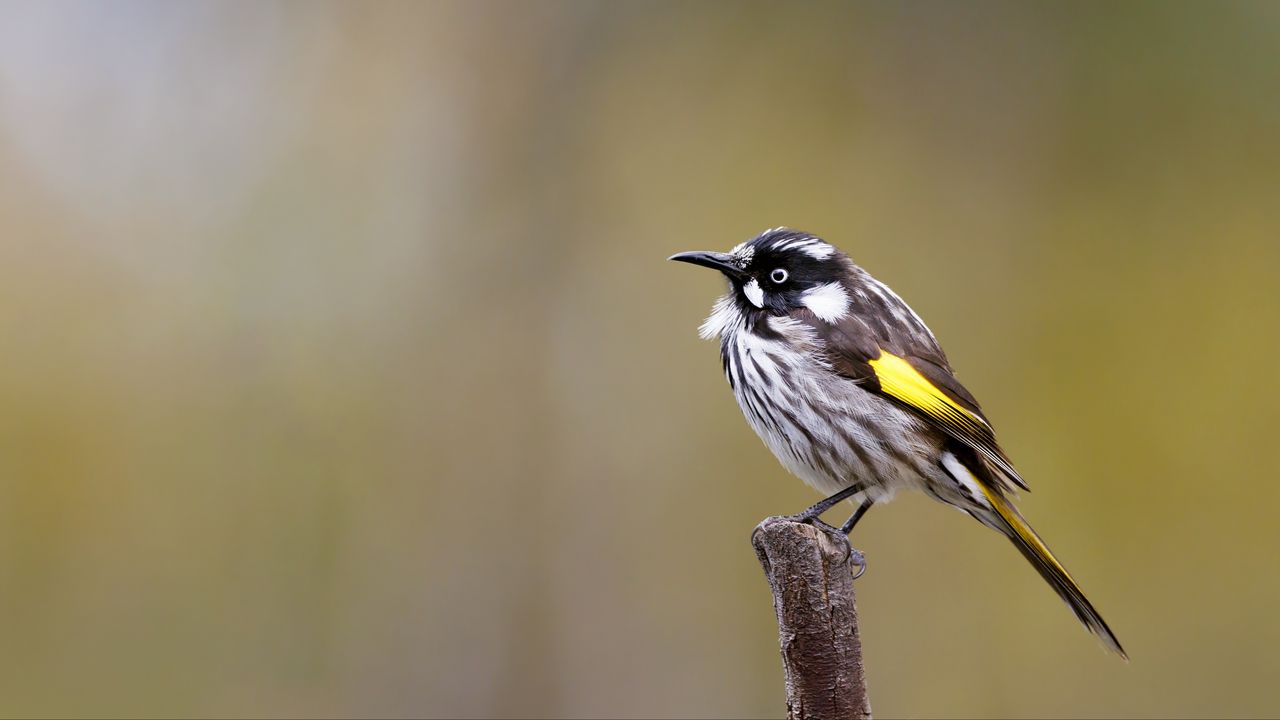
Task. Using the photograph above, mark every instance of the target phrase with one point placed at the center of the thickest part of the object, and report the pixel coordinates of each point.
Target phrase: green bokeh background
(343, 374)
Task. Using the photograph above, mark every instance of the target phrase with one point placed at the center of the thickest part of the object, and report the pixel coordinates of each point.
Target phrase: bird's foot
(837, 536)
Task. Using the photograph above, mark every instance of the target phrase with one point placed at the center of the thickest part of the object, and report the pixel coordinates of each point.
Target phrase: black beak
(718, 261)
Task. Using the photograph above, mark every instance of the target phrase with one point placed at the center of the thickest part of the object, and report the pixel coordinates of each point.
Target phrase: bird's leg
(840, 535)
(847, 527)
(820, 507)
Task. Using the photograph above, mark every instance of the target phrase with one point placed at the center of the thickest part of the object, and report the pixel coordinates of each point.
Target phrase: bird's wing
(933, 393)
(911, 371)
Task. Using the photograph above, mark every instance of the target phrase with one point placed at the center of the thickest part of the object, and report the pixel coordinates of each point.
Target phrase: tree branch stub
(811, 574)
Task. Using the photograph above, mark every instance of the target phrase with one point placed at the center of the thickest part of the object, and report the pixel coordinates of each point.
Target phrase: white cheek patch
(829, 302)
(754, 292)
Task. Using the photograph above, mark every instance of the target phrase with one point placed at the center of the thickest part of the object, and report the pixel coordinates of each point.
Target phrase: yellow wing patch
(902, 382)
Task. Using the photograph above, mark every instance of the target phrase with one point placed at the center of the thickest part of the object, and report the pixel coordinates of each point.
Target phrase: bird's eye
(778, 276)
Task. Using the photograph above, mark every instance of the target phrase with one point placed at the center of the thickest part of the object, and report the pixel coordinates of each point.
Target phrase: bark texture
(811, 574)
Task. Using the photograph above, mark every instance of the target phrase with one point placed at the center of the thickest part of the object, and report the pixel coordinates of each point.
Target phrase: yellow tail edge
(1039, 555)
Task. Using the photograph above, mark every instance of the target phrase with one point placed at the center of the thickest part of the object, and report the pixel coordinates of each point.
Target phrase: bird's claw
(856, 555)
(837, 536)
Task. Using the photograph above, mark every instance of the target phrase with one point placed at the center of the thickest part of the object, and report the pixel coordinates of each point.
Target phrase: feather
(1003, 516)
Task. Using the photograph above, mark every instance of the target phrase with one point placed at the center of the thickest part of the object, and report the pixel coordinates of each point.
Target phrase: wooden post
(811, 574)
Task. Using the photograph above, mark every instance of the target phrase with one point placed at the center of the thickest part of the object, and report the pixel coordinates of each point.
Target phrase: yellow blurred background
(343, 374)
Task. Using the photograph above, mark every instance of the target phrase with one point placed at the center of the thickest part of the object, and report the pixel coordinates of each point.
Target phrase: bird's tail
(1033, 548)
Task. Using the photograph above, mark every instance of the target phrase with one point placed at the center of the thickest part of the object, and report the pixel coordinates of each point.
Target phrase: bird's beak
(718, 261)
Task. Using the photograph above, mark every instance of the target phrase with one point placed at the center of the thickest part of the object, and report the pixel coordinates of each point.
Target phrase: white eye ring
(778, 276)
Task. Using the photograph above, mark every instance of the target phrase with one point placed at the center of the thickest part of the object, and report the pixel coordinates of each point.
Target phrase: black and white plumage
(851, 392)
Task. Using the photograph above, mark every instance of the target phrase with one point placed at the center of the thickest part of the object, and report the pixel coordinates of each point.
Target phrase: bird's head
(782, 270)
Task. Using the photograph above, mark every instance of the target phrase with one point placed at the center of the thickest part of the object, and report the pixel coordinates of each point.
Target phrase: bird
(852, 393)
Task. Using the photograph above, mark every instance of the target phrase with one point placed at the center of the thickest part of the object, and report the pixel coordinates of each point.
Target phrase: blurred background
(343, 374)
